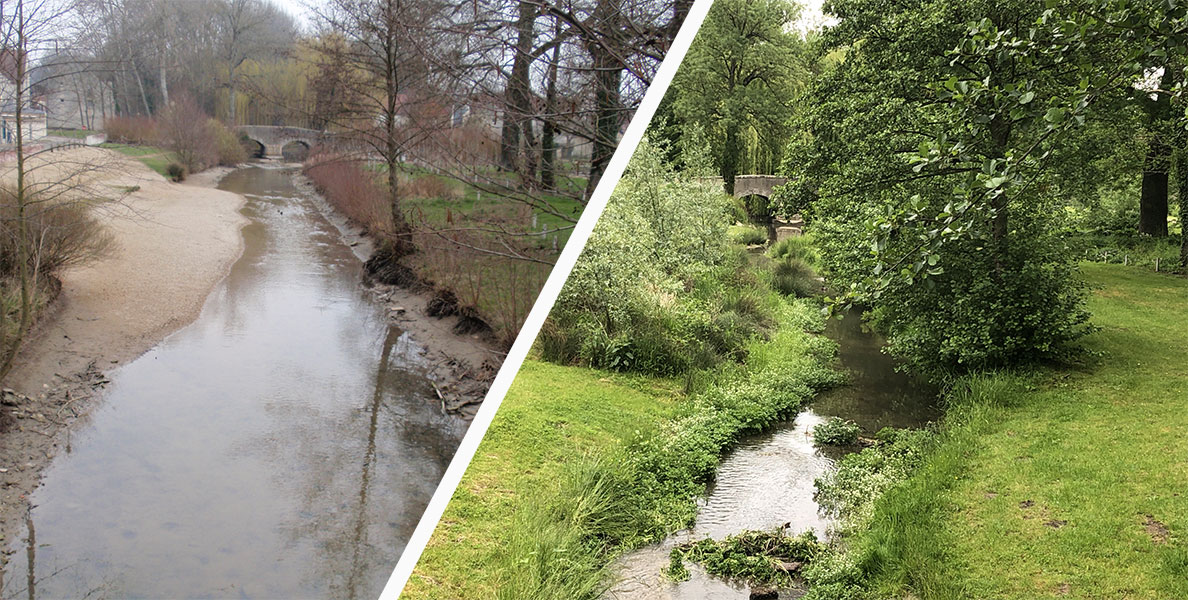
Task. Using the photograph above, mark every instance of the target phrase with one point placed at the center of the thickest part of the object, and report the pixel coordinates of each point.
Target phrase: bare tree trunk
(548, 146)
(164, 85)
(608, 77)
(517, 118)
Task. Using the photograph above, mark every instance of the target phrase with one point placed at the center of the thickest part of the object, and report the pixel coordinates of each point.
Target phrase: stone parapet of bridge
(749, 185)
(275, 138)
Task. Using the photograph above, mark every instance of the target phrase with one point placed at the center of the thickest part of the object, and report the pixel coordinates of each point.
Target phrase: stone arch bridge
(750, 185)
(273, 140)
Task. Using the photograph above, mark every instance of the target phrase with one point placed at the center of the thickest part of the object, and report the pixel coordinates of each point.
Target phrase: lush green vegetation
(757, 361)
(1052, 483)
(836, 431)
(772, 557)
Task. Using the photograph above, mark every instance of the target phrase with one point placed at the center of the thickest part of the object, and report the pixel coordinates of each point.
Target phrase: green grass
(582, 464)
(1050, 484)
(552, 417)
(154, 158)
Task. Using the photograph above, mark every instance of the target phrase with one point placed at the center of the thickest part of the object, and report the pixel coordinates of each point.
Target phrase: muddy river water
(281, 446)
(766, 481)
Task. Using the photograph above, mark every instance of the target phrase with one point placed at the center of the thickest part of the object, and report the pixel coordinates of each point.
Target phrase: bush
(131, 130)
(836, 431)
(183, 129)
(351, 189)
(656, 288)
(66, 234)
(175, 171)
(799, 247)
(747, 235)
(227, 145)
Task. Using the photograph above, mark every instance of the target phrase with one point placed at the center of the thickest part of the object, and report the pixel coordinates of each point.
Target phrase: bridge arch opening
(295, 151)
(758, 207)
(254, 149)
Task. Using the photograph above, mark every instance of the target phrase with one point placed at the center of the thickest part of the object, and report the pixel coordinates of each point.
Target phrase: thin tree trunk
(1153, 202)
(548, 145)
(608, 76)
(1181, 167)
(164, 85)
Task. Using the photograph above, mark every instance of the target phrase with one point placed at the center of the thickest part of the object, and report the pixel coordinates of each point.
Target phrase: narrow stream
(283, 445)
(767, 480)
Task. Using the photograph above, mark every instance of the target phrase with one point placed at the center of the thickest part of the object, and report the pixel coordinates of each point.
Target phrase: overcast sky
(810, 18)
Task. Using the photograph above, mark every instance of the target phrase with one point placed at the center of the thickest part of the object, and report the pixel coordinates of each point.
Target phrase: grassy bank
(1069, 483)
(157, 159)
(553, 417)
(580, 465)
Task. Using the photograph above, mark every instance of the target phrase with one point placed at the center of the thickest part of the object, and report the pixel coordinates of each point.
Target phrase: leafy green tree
(739, 77)
(928, 161)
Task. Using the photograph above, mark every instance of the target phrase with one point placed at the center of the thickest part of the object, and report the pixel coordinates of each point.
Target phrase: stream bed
(283, 445)
(766, 481)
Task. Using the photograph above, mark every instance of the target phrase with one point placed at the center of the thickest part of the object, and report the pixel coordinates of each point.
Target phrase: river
(766, 481)
(283, 445)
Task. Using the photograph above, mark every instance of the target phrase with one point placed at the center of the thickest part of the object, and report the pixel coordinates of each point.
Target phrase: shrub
(792, 277)
(430, 186)
(65, 233)
(861, 478)
(175, 171)
(836, 431)
(747, 235)
(227, 145)
(799, 247)
(183, 129)
(352, 190)
(131, 130)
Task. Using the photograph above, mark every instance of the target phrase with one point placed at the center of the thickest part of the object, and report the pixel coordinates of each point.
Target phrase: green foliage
(800, 247)
(791, 276)
(175, 171)
(836, 431)
(733, 84)
(747, 235)
(695, 152)
(850, 492)
(657, 288)
(957, 246)
(755, 556)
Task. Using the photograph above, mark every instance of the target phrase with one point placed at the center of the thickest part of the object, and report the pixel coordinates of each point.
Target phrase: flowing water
(766, 481)
(283, 445)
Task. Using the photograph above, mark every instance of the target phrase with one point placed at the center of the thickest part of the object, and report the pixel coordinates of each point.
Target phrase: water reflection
(282, 445)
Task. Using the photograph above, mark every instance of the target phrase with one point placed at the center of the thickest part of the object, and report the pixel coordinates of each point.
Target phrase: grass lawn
(552, 415)
(1068, 483)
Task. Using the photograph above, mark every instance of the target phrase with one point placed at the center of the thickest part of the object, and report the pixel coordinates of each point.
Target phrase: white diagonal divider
(544, 302)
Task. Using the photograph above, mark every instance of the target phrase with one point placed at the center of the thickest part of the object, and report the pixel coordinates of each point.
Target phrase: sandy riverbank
(173, 243)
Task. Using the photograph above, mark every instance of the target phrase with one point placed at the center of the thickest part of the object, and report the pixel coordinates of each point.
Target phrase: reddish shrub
(182, 127)
(352, 190)
(131, 130)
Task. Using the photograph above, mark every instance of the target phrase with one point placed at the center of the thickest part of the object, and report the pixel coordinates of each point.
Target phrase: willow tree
(739, 74)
